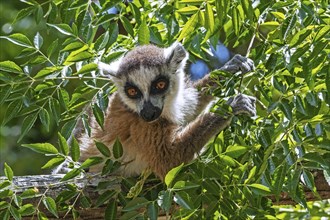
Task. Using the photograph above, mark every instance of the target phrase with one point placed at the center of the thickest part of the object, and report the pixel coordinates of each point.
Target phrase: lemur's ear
(176, 55)
(109, 70)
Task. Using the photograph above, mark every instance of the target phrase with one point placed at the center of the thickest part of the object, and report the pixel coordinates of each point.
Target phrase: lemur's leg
(195, 135)
(237, 63)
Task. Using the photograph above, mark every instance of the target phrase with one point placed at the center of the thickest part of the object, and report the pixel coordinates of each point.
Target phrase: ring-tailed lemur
(156, 113)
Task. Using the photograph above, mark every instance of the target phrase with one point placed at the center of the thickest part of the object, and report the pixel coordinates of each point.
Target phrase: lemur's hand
(243, 104)
(238, 63)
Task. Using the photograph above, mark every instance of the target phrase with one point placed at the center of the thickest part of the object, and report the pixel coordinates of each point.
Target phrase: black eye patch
(132, 91)
(159, 85)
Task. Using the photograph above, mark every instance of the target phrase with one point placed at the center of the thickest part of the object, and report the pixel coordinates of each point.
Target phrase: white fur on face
(177, 102)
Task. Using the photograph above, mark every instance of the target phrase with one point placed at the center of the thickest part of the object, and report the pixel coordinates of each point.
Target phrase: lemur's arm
(237, 63)
(195, 135)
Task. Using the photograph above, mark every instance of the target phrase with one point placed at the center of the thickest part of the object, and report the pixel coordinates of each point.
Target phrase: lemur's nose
(150, 112)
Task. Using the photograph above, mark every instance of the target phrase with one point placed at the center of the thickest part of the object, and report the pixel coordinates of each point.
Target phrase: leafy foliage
(242, 166)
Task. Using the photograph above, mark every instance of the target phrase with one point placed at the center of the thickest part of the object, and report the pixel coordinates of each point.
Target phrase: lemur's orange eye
(132, 92)
(161, 85)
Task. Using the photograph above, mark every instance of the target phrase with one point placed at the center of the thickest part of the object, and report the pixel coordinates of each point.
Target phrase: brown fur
(160, 145)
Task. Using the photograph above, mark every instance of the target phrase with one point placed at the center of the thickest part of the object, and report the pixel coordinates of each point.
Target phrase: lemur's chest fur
(142, 142)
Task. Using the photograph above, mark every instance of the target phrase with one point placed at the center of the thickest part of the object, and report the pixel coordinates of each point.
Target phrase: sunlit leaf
(172, 174)
(91, 162)
(127, 25)
(189, 27)
(75, 150)
(18, 39)
(52, 163)
(50, 205)
(10, 66)
(8, 172)
(63, 28)
(44, 148)
(143, 32)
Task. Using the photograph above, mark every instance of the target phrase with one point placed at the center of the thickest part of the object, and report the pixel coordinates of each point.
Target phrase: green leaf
(29, 193)
(19, 39)
(42, 216)
(165, 199)
(91, 162)
(309, 180)
(300, 36)
(28, 122)
(27, 210)
(10, 66)
(235, 20)
(78, 57)
(111, 210)
(63, 28)
(23, 13)
(12, 111)
(127, 25)
(108, 167)
(54, 106)
(14, 212)
(135, 204)
(44, 148)
(184, 200)
(190, 27)
(188, 10)
(279, 177)
(86, 202)
(184, 185)
(64, 147)
(209, 18)
(152, 211)
(143, 33)
(102, 41)
(248, 9)
(50, 205)
(172, 174)
(286, 109)
(8, 172)
(44, 118)
(104, 150)
(327, 82)
(99, 116)
(260, 189)
(71, 174)
(73, 46)
(84, 119)
(52, 47)
(67, 128)
(3, 185)
(53, 162)
(117, 149)
(47, 71)
(104, 197)
(38, 41)
(300, 105)
(38, 14)
(321, 33)
(235, 151)
(75, 150)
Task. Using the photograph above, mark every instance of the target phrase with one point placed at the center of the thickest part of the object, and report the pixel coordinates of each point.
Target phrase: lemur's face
(148, 79)
(146, 95)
